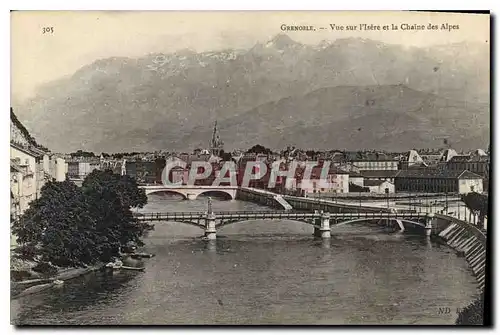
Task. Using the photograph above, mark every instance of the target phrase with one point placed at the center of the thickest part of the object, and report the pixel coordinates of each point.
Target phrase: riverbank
(37, 283)
(31, 286)
(381, 196)
(468, 241)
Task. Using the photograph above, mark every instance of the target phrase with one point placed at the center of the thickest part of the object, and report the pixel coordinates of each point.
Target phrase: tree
(81, 153)
(478, 204)
(357, 188)
(71, 227)
(57, 228)
(125, 187)
(113, 196)
(226, 157)
(312, 153)
(259, 149)
(472, 314)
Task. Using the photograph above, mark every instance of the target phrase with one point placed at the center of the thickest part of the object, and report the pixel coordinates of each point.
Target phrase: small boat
(114, 265)
(141, 255)
(58, 282)
(131, 268)
(204, 238)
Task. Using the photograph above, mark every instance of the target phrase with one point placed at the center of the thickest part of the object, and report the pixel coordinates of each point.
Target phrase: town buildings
(384, 175)
(477, 164)
(438, 181)
(411, 159)
(374, 161)
(379, 186)
(31, 166)
(81, 167)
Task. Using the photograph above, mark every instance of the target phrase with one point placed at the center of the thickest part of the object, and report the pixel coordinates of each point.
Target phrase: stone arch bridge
(192, 192)
(321, 221)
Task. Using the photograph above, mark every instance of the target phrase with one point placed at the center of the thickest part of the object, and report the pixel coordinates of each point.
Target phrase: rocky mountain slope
(276, 93)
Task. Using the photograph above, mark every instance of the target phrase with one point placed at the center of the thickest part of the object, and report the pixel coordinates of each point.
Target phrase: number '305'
(47, 30)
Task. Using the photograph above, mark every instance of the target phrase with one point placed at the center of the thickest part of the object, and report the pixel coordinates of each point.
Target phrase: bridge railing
(380, 215)
(165, 214)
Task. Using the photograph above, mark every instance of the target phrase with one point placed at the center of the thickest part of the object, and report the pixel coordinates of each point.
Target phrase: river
(264, 272)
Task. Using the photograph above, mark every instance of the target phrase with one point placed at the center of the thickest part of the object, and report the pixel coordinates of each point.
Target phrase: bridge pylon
(428, 224)
(210, 231)
(325, 225)
(316, 223)
(321, 224)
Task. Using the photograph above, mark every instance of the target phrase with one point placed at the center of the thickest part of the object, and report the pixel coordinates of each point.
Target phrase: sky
(75, 39)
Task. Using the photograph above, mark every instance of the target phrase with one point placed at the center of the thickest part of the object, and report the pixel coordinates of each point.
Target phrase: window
(472, 188)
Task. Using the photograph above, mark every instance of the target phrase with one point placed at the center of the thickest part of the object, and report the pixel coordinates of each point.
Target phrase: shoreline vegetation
(473, 314)
(70, 231)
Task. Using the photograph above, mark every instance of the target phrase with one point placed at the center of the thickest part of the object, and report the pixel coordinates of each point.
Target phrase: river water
(264, 272)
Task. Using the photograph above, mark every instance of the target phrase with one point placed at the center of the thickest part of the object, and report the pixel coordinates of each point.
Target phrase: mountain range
(349, 93)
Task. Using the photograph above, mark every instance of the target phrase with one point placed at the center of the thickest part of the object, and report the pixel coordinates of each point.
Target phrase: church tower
(216, 144)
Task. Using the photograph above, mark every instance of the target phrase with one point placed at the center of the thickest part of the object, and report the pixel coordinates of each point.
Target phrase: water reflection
(211, 246)
(264, 272)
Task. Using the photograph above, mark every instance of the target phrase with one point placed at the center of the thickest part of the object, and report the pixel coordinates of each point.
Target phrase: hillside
(167, 101)
(392, 117)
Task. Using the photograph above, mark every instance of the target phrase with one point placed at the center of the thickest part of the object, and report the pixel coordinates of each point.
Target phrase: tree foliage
(472, 314)
(356, 188)
(259, 149)
(477, 203)
(81, 153)
(70, 226)
(124, 187)
(226, 156)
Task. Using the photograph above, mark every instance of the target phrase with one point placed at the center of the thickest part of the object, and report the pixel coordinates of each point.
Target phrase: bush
(72, 226)
(45, 269)
(472, 314)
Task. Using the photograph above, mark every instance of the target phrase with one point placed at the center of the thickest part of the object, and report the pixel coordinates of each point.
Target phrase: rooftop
(374, 182)
(437, 173)
(379, 173)
(467, 158)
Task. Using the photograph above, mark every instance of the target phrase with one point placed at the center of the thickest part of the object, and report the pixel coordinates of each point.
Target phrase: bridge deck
(173, 216)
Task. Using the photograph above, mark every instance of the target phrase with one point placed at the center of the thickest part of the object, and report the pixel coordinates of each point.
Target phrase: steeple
(216, 144)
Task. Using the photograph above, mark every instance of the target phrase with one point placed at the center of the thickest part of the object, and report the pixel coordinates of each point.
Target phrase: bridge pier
(317, 224)
(211, 245)
(191, 196)
(325, 226)
(322, 225)
(210, 231)
(428, 224)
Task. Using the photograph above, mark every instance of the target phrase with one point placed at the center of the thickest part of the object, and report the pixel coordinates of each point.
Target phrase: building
(374, 161)
(356, 178)
(379, 186)
(431, 159)
(81, 167)
(35, 162)
(438, 181)
(410, 159)
(387, 175)
(478, 164)
(31, 166)
(335, 181)
(447, 155)
(178, 175)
